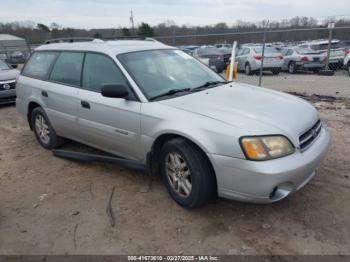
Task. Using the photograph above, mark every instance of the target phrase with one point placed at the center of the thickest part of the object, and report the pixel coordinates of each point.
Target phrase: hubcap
(291, 68)
(178, 174)
(247, 70)
(42, 129)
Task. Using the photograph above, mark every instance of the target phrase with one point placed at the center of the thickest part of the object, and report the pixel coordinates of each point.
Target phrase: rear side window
(100, 70)
(39, 64)
(67, 69)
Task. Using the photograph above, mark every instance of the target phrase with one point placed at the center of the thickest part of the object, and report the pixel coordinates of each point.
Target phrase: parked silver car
(157, 105)
(299, 58)
(249, 60)
(336, 55)
(8, 77)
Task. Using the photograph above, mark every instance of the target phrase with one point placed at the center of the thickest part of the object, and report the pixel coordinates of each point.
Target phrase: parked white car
(249, 60)
(155, 105)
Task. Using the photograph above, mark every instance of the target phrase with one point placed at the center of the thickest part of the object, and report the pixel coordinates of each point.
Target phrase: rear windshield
(208, 51)
(319, 47)
(304, 51)
(268, 50)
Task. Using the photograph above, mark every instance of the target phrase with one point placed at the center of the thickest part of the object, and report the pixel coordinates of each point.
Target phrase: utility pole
(330, 28)
(263, 52)
(132, 22)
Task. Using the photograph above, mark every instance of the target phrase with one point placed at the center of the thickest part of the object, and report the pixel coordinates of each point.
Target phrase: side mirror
(114, 91)
(14, 66)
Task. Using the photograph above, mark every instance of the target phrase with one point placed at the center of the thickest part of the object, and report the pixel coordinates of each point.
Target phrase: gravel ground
(50, 205)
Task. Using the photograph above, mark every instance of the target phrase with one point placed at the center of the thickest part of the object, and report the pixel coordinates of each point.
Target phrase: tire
(248, 69)
(316, 71)
(348, 68)
(53, 140)
(196, 175)
(292, 68)
(276, 71)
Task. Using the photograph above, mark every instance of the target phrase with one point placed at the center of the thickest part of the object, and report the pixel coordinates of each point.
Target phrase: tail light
(280, 57)
(258, 57)
(305, 59)
(347, 52)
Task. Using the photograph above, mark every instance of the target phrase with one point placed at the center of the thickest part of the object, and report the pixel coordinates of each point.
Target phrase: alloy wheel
(42, 129)
(178, 174)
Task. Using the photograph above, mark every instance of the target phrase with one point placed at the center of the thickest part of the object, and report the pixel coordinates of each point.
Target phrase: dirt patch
(50, 205)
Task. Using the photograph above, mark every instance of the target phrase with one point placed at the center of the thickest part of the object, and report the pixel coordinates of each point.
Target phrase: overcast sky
(115, 13)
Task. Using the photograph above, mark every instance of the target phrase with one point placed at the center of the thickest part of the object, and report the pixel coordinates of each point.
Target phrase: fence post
(263, 53)
(233, 62)
(330, 28)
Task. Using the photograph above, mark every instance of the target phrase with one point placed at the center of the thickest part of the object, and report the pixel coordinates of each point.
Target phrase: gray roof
(7, 37)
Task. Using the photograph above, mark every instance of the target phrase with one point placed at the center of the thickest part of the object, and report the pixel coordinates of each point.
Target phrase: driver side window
(100, 70)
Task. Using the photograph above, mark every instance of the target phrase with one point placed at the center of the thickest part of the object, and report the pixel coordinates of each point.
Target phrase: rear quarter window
(39, 64)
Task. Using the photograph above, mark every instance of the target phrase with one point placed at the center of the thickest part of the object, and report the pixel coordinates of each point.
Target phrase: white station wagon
(156, 105)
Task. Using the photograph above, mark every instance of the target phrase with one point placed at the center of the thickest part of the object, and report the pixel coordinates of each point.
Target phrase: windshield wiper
(171, 92)
(208, 84)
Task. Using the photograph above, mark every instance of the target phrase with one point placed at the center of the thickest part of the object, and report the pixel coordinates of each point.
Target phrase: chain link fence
(306, 60)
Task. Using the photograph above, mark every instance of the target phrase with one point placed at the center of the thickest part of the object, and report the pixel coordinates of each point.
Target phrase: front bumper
(7, 96)
(268, 181)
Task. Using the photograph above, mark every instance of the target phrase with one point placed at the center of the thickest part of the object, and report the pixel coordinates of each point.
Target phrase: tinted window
(100, 70)
(268, 50)
(39, 64)
(67, 69)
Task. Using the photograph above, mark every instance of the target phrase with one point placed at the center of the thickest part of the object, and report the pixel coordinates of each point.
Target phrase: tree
(145, 30)
(126, 31)
(97, 35)
(43, 27)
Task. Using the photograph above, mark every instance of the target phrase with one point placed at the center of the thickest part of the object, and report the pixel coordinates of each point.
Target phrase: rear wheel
(248, 69)
(187, 173)
(316, 71)
(43, 130)
(348, 67)
(292, 68)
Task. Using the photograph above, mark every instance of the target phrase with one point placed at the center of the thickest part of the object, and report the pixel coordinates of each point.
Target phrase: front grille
(309, 136)
(7, 86)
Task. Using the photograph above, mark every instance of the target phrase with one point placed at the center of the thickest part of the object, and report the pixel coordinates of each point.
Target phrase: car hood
(8, 74)
(258, 111)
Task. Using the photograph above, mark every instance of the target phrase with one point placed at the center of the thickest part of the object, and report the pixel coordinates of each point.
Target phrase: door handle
(85, 104)
(44, 93)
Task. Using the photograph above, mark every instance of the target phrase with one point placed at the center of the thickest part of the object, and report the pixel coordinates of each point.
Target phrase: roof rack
(69, 40)
(90, 39)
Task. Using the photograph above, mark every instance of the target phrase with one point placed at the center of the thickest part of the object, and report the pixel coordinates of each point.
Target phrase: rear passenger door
(61, 93)
(111, 124)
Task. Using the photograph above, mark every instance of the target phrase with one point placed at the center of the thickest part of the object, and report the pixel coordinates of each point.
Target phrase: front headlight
(266, 147)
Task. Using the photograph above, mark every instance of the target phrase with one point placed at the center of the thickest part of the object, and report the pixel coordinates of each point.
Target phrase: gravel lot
(50, 205)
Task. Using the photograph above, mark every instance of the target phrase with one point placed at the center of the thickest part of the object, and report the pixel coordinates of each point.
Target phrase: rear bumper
(310, 66)
(268, 181)
(267, 65)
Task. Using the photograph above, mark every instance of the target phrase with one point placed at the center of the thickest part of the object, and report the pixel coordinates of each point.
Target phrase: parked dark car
(226, 52)
(8, 77)
(216, 58)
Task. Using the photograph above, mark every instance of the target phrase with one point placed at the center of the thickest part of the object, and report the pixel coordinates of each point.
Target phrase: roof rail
(69, 40)
(144, 38)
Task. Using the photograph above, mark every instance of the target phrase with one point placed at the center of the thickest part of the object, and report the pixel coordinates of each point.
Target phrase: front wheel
(43, 130)
(292, 68)
(187, 173)
(248, 69)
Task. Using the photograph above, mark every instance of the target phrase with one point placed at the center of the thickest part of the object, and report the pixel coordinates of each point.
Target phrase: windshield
(4, 66)
(158, 71)
(268, 50)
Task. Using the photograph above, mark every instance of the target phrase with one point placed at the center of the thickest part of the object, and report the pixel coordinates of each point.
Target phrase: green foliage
(145, 30)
